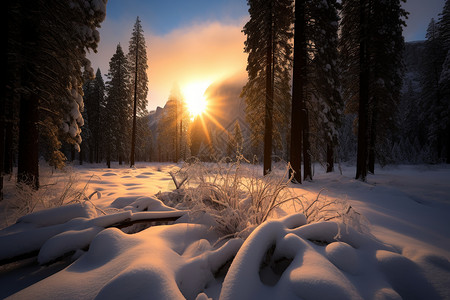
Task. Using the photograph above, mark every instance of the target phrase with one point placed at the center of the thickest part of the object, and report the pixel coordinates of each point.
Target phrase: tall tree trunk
(9, 123)
(9, 145)
(182, 152)
(91, 153)
(2, 144)
(28, 156)
(177, 153)
(28, 159)
(268, 117)
(330, 158)
(108, 156)
(361, 161)
(298, 87)
(373, 137)
(133, 134)
(448, 144)
(307, 172)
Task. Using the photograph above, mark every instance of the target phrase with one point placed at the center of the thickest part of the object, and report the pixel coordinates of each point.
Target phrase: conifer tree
(298, 89)
(235, 140)
(117, 110)
(324, 98)
(371, 47)
(444, 80)
(444, 91)
(432, 103)
(268, 32)
(444, 25)
(94, 98)
(48, 62)
(138, 66)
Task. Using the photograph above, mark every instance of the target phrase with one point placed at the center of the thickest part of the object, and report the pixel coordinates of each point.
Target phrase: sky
(193, 43)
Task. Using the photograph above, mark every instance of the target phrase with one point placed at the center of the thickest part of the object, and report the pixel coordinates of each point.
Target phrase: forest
(342, 87)
(323, 173)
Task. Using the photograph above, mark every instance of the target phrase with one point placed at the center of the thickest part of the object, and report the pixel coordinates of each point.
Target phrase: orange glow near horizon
(194, 95)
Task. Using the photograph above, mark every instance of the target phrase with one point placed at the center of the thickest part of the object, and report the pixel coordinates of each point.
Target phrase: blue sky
(163, 16)
(199, 41)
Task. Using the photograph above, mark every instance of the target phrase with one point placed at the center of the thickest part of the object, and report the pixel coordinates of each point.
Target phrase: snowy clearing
(405, 254)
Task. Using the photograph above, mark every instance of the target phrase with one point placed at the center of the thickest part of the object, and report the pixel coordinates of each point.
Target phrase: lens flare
(194, 94)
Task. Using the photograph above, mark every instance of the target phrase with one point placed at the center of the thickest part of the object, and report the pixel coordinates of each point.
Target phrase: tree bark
(2, 145)
(298, 87)
(28, 154)
(28, 159)
(268, 117)
(361, 162)
(330, 158)
(373, 138)
(307, 172)
(133, 134)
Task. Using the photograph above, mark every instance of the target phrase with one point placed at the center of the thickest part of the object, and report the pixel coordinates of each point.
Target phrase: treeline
(113, 109)
(346, 98)
(425, 108)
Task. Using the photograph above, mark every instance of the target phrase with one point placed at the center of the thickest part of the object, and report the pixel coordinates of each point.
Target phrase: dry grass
(56, 188)
(238, 199)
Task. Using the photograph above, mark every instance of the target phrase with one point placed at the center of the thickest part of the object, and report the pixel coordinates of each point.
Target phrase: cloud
(203, 52)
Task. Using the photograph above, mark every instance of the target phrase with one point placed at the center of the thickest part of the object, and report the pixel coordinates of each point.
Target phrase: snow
(404, 254)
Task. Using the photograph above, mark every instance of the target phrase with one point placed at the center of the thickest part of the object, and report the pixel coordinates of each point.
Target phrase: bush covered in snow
(238, 199)
(58, 187)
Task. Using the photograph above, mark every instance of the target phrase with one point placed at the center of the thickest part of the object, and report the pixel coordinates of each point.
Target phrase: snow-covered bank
(407, 257)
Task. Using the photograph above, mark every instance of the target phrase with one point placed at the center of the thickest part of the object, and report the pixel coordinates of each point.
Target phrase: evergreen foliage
(117, 111)
(324, 101)
(47, 46)
(384, 46)
(94, 98)
(432, 103)
(267, 92)
(137, 57)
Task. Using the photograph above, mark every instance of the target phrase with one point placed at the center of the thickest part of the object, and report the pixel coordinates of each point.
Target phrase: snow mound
(281, 259)
(162, 262)
(61, 214)
(57, 232)
(320, 261)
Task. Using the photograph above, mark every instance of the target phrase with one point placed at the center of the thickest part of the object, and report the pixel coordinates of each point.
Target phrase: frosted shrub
(322, 209)
(57, 188)
(238, 199)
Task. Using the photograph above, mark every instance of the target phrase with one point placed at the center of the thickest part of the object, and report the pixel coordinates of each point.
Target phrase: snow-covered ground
(405, 255)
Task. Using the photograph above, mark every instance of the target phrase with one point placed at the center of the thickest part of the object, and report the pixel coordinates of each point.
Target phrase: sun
(194, 95)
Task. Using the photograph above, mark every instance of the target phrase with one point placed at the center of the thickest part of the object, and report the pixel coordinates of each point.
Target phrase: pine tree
(324, 98)
(444, 25)
(431, 98)
(48, 62)
(444, 80)
(117, 110)
(235, 140)
(371, 47)
(386, 53)
(144, 137)
(269, 61)
(444, 91)
(94, 98)
(138, 66)
(298, 89)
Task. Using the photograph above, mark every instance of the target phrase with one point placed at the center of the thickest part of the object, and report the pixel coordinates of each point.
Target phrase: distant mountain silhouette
(225, 108)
